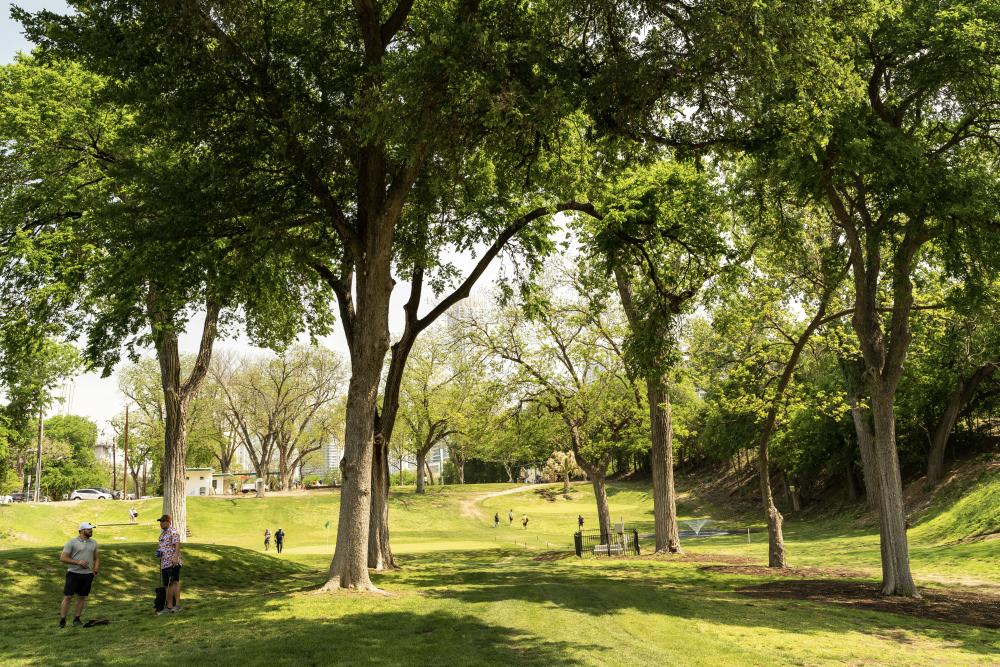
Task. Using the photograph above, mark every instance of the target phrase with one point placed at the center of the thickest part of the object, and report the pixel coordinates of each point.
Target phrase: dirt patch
(696, 558)
(966, 607)
(790, 572)
(552, 494)
(469, 507)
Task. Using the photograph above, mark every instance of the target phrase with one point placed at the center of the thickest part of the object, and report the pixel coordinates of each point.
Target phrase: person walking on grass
(496, 519)
(267, 539)
(579, 522)
(132, 514)
(170, 563)
(84, 560)
(279, 540)
(510, 517)
(524, 522)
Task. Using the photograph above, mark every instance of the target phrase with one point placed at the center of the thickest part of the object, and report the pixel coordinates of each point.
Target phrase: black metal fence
(620, 541)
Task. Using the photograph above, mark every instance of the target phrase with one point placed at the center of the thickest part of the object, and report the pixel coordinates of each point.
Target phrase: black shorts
(170, 574)
(78, 583)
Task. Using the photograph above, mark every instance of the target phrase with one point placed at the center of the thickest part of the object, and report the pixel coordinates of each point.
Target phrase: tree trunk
(852, 489)
(349, 566)
(963, 392)
(284, 470)
(775, 536)
(796, 497)
(175, 430)
(661, 436)
(421, 462)
(430, 471)
(176, 398)
(603, 512)
(459, 470)
(379, 549)
(896, 576)
(664, 498)
(566, 484)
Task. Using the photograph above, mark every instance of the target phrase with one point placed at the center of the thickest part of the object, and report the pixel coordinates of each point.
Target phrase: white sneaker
(174, 610)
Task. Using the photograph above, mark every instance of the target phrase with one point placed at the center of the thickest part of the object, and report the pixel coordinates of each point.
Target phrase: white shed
(198, 482)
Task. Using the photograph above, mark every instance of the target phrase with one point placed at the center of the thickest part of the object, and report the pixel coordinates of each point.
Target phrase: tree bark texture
(369, 345)
(379, 549)
(959, 398)
(896, 576)
(662, 454)
(603, 512)
(421, 464)
(852, 370)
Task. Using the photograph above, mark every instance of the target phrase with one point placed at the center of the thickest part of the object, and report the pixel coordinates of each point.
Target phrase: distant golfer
(267, 539)
(510, 517)
(496, 520)
(579, 521)
(279, 540)
(84, 561)
(170, 563)
(524, 522)
(132, 515)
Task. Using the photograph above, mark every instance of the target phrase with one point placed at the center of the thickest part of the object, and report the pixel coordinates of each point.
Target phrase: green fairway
(471, 594)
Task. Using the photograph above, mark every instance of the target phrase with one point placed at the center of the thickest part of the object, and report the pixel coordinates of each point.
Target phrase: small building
(224, 483)
(198, 482)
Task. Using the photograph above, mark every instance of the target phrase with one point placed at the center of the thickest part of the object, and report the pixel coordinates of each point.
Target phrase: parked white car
(89, 494)
(6, 500)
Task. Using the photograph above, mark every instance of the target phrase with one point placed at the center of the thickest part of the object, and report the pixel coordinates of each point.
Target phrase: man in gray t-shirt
(84, 560)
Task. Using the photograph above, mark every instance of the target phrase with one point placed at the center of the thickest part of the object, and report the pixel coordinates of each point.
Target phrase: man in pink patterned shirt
(170, 563)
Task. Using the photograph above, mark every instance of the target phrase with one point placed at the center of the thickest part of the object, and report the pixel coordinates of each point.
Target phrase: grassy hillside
(469, 594)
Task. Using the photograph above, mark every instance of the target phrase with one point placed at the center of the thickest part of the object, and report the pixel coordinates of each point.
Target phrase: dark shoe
(77, 622)
(62, 622)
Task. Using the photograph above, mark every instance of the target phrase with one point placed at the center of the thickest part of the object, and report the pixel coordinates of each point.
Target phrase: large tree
(908, 157)
(355, 105)
(112, 216)
(661, 230)
(566, 356)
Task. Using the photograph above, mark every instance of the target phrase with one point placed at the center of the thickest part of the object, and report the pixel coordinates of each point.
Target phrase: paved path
(470, 506)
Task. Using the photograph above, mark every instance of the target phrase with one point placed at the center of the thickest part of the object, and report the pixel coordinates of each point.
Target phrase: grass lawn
(469, 594)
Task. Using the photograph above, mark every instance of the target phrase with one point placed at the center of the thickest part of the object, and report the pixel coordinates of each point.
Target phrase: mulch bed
(966, 607)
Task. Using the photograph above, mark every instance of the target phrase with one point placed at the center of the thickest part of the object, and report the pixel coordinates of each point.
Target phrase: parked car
(6, 500)
(20, 497)
(90, 494)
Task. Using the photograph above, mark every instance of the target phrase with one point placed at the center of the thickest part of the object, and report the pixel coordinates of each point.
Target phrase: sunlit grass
(469, 594)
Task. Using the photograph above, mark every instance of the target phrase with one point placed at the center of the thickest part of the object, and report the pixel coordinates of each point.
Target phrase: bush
(409, 478)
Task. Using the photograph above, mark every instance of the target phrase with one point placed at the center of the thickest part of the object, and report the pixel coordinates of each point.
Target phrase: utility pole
(38, 462)
(114, 464)
(125, 448)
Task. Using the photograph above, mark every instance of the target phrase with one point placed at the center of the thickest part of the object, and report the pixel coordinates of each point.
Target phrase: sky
(99, 398)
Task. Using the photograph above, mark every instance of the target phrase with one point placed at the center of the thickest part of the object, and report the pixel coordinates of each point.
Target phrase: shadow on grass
(32, 579)
(249, 632)
(678, 590)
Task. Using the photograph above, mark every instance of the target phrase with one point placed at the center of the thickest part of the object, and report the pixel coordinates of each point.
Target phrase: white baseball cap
(86, 525)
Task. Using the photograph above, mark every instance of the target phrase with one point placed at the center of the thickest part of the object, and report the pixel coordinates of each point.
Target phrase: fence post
(578, 543)
(635, 536)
